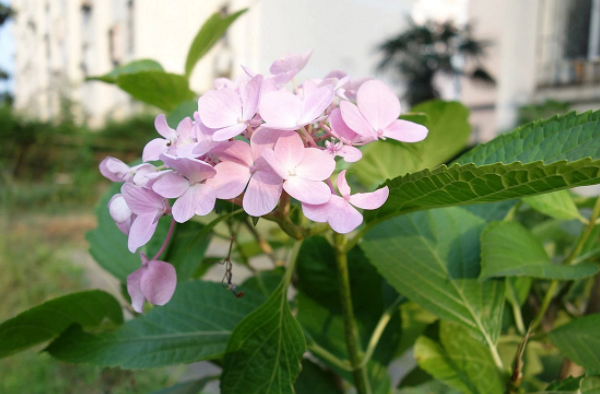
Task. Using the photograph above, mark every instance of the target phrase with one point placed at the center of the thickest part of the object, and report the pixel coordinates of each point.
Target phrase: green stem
(289, 270)
(379, 329)
(587, 231)
(326, 355)
(350, 331)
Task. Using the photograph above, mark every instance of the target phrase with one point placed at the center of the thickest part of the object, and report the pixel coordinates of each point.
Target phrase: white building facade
(60, 42)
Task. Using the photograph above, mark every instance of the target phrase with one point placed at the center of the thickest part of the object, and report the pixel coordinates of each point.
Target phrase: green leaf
(265, 350)
(590, 385)
(210, 32)
(569, 384)
(580, 341)
(195, 325)
(517, 289)
(414, 322)
(315, 380)
(90, 309)
(459, 361)
(129, 68)
(433, 259)
(557, 205)
(192, 387)
(509, 249)
(548, 156)
(431, 387)
(265, 282)
(158, 88)
(185, 252)
(181, 111)
(108, 245)
(449, 131)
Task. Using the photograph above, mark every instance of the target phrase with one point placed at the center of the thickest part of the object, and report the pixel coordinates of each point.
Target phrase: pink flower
(148, 207)
(226, 111)
(302, 169)
(241, 162)
(187, 184)
(178, 142)
(115, 170)
(376, 115)
(285, 111)
(349, 89)
(155, 281)
(339, 212)
(286, 67)
(347, 138)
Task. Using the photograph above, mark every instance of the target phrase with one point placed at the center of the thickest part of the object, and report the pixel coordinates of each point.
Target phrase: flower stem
(587, 231)
(359, 372)
(167, 239)
(379, 329)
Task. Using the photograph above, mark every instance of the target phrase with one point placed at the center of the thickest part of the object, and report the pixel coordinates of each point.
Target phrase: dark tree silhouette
(5, 13)
(417, 54)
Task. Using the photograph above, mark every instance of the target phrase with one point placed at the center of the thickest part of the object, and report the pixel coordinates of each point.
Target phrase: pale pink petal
(229, 132)
(280, 110)
(154, 149)
(378, 104)
(141, 231)
(118, 209)
(221, 83)
(113, 169)
(192, 169)
(231, 179)
(161, 125)
(158, 282)
(135, 291)
(405, 131)
(238, 151)
(289, 62)
(275, 164)
(126, 225)
(184, 206)
(354, 119)
(289, 150)
(142, 200)
(350, 154)
(151, 178)
(305, 190)
(220, 108)
(250, 97)
(184, 129)
(263, 192)
(263, 138)
(141, 174)
(342, 217)
(371, 200)
(316, 164)
(317, 213)
(206, 197)
(340, 129)
(171, 185)
(342, 184)
(315, 103)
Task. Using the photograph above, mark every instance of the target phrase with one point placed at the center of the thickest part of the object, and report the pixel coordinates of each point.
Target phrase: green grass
(37, 263)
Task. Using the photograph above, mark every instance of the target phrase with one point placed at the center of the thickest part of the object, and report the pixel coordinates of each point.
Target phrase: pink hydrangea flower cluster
(255, 138)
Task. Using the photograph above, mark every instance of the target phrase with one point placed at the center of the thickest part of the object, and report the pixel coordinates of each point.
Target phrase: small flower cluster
(253, 139)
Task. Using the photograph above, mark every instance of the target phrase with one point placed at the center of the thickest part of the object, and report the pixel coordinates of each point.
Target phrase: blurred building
(542, 49)
(60, 42)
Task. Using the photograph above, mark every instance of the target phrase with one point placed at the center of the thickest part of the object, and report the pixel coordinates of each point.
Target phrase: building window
(114, 45)
(578, 29)
(130, 27)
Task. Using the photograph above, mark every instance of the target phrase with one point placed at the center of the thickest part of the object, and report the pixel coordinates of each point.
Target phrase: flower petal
(403, 130)
(263, 192)
(158, 282)
(118, 209)
(289, 62)
(154, 149)
(340, 129)
(135, 290)
(250, 97)
(371, 200)
(141, 231)
(316, 213)
(184, 129)
(220, 108)
(229, 132)
(316, 165)
(342, 184)
(161, 125)
(171, 185)
(237, 151)
(289, 150)
(315, 103)
(356, 121)
(263, 138)
(280, 110)
(305, 190)
(276, 165)
(206, 197)
(192, 169)
(350, 154)
(378, 104)
(113, 169)
(142, 200)
(231, 179)
(342, 217)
